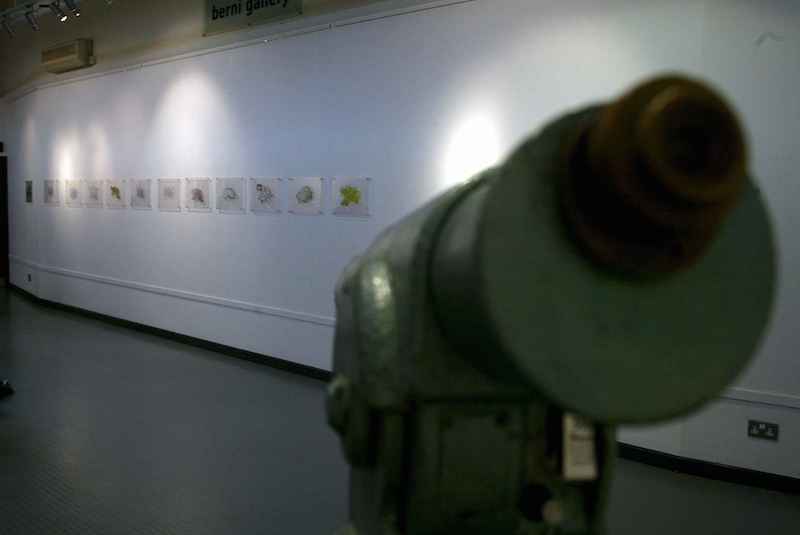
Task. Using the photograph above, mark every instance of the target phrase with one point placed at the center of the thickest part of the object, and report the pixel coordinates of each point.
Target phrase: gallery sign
(229, 15)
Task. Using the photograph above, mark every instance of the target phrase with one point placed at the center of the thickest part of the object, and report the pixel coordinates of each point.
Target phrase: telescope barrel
(617, 268)
(602, 256)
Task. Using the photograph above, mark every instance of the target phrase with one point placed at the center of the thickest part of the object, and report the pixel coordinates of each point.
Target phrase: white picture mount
(93, 193)
(231, 195)
(169, 195)
(73, 197)
(51, 190)
(305, 195)
(266, 195)
(198, 194)
(141, 194)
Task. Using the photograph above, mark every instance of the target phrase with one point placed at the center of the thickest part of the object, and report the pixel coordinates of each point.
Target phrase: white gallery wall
(418, 102)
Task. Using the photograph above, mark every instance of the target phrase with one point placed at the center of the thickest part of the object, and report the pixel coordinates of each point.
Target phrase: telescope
(617, 268)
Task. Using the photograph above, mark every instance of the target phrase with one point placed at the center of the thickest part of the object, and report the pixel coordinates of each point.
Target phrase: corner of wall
(3, 120)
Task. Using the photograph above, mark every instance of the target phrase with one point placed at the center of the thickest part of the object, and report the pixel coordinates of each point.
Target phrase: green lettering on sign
(229, 15)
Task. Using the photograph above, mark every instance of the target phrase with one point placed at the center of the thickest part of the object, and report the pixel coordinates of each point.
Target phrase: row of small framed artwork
(349, 196)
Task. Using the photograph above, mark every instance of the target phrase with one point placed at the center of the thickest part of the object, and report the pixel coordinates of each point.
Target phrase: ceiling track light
(55, 7)
(73, 8)
(30, 16)
(7, 27)
(61, 9)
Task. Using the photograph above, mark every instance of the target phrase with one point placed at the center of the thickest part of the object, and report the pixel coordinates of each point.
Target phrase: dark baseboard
(273, 362)
(709, 470)
(740, 476)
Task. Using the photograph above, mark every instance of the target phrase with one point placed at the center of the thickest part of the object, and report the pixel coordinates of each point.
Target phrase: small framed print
(230, 195)
(116, 192)
(169, 195)
(351, 196)
(73, 199)
(305, 196)
(141, 194)
(198, 194)
(52, 192)
(265, 195)
(93, 193)
(29, 191)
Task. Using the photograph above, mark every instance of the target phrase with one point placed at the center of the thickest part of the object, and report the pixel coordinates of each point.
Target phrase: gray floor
(117, 432)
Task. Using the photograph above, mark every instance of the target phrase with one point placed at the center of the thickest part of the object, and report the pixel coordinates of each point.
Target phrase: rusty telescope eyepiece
(652, 178)
(618, 267)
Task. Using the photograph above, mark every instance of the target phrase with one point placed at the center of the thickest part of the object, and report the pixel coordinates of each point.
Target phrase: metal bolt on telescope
(618, 267)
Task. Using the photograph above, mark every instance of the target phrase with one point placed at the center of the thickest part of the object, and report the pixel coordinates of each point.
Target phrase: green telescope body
(618, 267)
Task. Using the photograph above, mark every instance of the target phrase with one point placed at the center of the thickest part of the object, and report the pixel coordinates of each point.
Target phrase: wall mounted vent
(68, 56)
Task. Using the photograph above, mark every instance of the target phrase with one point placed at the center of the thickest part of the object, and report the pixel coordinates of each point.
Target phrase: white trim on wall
(325, 321)
(764, 398)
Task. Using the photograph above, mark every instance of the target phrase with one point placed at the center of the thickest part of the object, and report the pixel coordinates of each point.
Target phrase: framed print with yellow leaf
(351, 196)
(116, 192)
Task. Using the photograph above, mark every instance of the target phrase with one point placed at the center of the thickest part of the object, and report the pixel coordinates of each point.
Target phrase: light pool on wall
(473, 146)
(30, 142)
(98, 151)
(65, 150)
(191, 118)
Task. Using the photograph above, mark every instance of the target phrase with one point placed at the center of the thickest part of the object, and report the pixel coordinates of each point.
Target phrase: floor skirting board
(281, 364)
(741, 476)
(708, 470)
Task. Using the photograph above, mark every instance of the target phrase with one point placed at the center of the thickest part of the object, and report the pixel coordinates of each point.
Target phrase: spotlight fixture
(58, 12)
(30, 16)
(7, 27)
(73, 8)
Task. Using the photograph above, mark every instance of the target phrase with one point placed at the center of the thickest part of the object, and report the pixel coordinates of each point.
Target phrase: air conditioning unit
(68, 56)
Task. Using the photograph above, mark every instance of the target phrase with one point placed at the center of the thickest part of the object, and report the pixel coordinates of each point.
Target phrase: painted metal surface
(480, 344)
